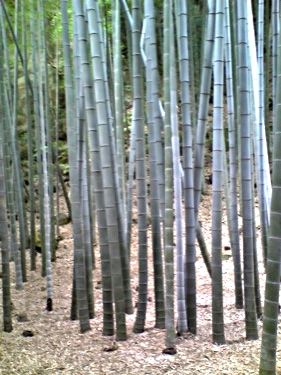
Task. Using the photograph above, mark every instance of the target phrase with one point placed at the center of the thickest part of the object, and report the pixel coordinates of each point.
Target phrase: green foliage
(106, 13)
(63, 157)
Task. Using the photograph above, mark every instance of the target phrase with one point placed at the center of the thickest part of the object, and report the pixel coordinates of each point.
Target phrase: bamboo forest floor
(57, 347)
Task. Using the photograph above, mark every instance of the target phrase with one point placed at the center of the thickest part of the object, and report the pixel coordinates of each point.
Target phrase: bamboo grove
(140, 80)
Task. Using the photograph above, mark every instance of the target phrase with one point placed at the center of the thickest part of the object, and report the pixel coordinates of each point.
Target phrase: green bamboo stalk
(187, 146)
(119, 105)
(218, 139)
(34, 64)
(168, 219)
(30, 137)
(80, 286)
(200, 135)
(16, 169)
(272, 285)
(138, 118)
(232, 142)
(155, 153)
(84, 99)
(44, 141)
(5, 251)
(246, 174)
(106, 155)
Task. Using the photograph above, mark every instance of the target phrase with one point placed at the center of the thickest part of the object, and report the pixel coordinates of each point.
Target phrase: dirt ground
(57, 347)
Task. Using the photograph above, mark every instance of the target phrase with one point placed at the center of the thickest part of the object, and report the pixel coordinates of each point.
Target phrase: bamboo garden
(131, 104)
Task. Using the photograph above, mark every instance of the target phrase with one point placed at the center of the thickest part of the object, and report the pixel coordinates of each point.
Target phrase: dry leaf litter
(57, 347)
